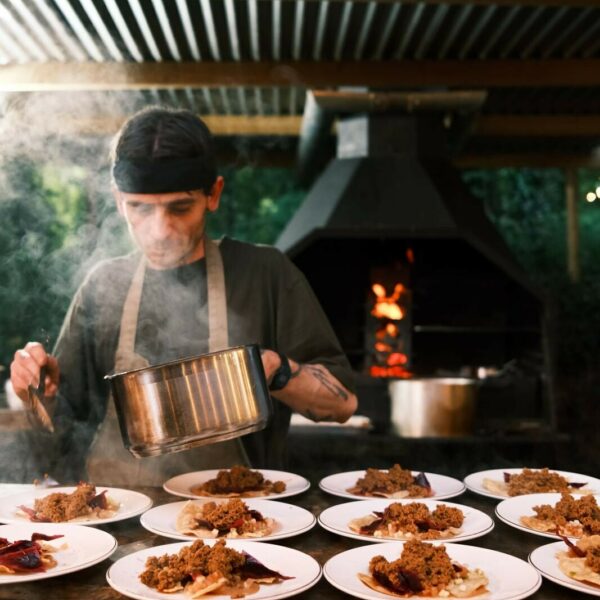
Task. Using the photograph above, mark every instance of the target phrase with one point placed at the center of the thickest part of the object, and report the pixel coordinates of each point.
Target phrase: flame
(396, 371)
(387, 307)
(388, 344)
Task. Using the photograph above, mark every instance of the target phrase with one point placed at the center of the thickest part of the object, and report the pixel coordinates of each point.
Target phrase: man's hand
(25, 370)
(271, 363)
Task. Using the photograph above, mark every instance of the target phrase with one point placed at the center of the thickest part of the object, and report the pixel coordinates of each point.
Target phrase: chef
(180, 294)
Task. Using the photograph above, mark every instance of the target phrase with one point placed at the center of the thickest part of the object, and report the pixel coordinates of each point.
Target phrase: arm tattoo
(323, 376)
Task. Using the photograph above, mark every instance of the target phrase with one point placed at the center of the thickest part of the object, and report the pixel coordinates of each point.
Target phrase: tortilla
(571, 529)
(356, 526)
(198, 491)
(473, 585)
(574, 566)
(501, 487)
(495, 486)
(395, 495)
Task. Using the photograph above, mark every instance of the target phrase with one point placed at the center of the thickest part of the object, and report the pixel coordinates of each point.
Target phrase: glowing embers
(388, 338)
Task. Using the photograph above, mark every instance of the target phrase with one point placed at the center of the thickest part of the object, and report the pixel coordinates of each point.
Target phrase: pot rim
(442, 380)
(181, 361)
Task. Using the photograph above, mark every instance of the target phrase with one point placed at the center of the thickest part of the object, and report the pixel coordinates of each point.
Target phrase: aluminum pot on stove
(192, 402)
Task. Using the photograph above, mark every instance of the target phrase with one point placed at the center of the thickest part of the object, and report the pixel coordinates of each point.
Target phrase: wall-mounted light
(590, 196)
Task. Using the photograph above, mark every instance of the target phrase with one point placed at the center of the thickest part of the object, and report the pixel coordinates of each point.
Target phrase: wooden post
(573, 265)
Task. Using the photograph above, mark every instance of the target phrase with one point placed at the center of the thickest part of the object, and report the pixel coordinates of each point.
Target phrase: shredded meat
(60, 507)
(232, 514)
(416, 518)
(173, 570)
(391, 481)
(426, 567)
(585, 510)
(240, 479)
(530, 481)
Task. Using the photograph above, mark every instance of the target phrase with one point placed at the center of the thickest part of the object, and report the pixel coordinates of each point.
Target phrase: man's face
(168, 228)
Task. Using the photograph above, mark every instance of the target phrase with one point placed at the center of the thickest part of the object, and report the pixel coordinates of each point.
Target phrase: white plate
(336, 519)
(510, 578)
(130, 504)
(289, 520)
(545, 561)
(123, 576)
(474, 481)
(182, 484)
(85, 546)
(512, 509)
(9, 489)
(442, 486)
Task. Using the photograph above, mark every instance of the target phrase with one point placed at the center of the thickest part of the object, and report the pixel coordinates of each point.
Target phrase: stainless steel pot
(192, 402)
(436, 407)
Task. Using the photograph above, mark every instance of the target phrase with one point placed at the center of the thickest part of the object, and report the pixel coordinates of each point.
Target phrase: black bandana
(163, 176)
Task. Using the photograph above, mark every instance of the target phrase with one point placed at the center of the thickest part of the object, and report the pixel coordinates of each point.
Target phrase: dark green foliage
(256, 204)
(50, 235)
(528, 207)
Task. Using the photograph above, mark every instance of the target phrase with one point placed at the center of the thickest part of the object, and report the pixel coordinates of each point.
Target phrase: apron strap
(218, 334)
(129, 318)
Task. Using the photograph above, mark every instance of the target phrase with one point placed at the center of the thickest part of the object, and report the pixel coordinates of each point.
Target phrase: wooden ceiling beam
(506, 126)
(536, 126)
(36, 77)
(220, 125)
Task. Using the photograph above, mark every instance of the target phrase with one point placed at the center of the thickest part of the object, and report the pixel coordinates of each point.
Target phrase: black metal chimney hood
(392, 178)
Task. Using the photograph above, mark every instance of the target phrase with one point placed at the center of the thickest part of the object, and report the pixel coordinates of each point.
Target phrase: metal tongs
(36, 402)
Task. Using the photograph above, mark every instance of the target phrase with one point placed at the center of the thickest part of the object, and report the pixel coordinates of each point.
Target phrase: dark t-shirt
(269, 302)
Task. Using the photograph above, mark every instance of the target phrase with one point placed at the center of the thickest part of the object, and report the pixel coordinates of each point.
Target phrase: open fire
(390, 353)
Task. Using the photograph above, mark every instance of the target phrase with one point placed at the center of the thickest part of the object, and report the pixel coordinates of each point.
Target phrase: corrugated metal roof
(246, 30)
(225, 31)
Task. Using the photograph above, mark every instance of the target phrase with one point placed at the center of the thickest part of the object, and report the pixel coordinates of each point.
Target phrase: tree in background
(256, 204)
(528, 208)
(52, 232)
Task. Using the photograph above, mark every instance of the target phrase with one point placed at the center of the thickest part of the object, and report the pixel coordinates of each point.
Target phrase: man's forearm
(315, 393)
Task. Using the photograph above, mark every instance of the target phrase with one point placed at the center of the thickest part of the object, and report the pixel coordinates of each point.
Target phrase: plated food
(572, 565)
(32, 551)
(393, 483)
(410, 521)
(156, 573)
(569, 516)
(552, 515)
(200, 569)
(424, 569)
(238, 482)
(178, 520)
(480, 567)
(230, 519)
(384, 520)
(83, 504)
(505, 483)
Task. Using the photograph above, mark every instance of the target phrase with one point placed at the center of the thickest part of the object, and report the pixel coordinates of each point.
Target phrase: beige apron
(108, 461)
